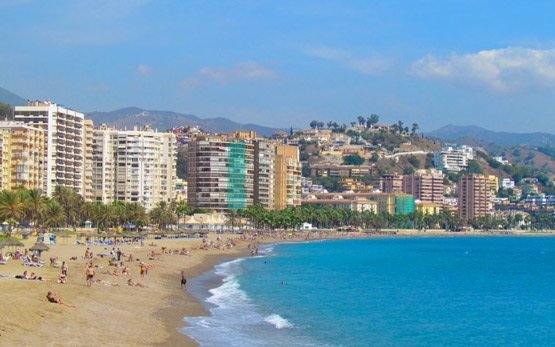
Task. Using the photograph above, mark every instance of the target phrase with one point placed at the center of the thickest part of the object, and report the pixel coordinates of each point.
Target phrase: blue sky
(281, 63)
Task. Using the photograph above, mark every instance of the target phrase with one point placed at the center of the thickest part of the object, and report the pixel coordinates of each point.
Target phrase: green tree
(35, 205)
(6, 112)
(71, 203)
(162, 215)
(54, 216)
(473, 167)
(372, 120)
(12, 208)
(353, 159)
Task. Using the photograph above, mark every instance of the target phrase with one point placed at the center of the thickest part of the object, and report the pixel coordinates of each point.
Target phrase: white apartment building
(104, 163)
(64, 142)
(134, 166)
(453, 158)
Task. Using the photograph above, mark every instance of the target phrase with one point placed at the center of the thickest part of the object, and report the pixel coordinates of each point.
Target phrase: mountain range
(10, 98)
(129, 117)
(477, 136)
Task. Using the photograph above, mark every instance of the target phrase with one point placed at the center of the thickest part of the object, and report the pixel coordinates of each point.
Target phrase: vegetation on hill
(6, 112)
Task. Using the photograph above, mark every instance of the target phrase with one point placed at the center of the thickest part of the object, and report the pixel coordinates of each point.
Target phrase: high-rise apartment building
(287, 186)
(88, 134)
(426, 186)
(134, 166)
(235, 171)
(63, 142)
(474, 195)
(220, 173)
(264, 171)
(22, 153)
(392, 183)
(105, 142)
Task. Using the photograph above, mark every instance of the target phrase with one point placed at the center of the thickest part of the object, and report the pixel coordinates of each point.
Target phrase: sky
(284, 63)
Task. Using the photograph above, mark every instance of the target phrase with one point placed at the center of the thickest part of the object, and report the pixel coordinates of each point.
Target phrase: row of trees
(327, 217)
(66, 208)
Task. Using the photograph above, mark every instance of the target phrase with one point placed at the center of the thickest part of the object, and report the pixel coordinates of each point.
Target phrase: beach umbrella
(10, 242)
(39, 247)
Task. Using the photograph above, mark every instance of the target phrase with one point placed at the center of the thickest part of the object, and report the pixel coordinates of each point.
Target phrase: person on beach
(132, 283)
(53, 298)
(89, 273)
(142, 269)
(87, 253)
(64, 268)
(62, 279)
(183, 279)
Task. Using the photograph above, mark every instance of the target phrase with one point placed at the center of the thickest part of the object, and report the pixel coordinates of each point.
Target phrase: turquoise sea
(480, 291)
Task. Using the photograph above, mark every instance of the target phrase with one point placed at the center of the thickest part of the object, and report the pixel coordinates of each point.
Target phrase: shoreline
(116, 314)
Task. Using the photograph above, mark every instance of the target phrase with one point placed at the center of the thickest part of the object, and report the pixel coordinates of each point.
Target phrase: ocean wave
(278, 321)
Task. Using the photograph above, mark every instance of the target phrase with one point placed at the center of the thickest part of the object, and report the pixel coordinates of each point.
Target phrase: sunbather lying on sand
(132, 283)
(53, 298)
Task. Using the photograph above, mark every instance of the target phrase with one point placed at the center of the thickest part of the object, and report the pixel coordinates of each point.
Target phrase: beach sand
(120, 315)
(106, 314)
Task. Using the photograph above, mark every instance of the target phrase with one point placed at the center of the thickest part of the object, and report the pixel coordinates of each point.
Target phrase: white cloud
(368, 66)
(144, 70)
(505, 69)
(248, 70)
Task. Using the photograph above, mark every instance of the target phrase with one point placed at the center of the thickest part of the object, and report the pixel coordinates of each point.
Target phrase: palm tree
(70, 202)
(35, 205)
(54, 214)
(12, 208)
(162, 215)
(361, 120)
(372, 120)
(414, 128)
(182, 209)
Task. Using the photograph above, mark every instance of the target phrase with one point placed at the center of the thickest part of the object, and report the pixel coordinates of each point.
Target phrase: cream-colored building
(105, 141)
(287, 187)
(88, 133)
(134, 166)
(63, 142)
(22, 152)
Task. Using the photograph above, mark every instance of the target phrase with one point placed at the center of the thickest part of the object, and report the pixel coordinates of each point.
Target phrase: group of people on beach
(220, 244)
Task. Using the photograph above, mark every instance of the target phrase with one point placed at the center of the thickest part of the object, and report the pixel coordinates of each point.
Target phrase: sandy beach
(111, 312)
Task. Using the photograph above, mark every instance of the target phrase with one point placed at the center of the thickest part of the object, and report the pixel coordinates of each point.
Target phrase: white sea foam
(278, 321)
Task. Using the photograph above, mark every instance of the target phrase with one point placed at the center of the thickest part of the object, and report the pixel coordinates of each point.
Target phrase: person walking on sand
(143, 269)
(64, 268)
(183, 279)
(89, 273)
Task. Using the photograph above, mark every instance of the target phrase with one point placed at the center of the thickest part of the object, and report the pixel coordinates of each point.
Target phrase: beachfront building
(359, 205)
(104, 163)
(88, 135)
(22, 156)
(63, 142)
(136, 165)
(287, 186)
(425, 185)
(429, 208)
(474, 193)
(264, 171)
(220, 172)
(453, 158)
(392, 203)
